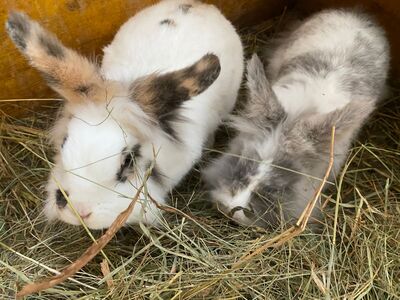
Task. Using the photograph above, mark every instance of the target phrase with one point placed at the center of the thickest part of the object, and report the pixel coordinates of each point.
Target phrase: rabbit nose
(85, 215)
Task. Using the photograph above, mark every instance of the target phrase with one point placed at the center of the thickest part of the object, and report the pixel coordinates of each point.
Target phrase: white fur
(87, 164)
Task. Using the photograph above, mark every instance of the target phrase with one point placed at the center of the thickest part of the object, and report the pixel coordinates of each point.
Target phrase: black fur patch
(174, 98)
(136, 151)
(168, 22)
(185, 8)
(18, 29)
(241, 172)
(52, 46)
(83, 89)
(128, 163)
(167, 111)
(120, 177)
(168, 89)
(64, 140)
(233, 172)
(171, 86)
(60, 199)
(315, 64)
(20, 42)
(168, 97)
(163, 95)
(156, 175)
(50, 79)
(167, 127)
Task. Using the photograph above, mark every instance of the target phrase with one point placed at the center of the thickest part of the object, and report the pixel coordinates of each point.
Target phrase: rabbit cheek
(50, 210)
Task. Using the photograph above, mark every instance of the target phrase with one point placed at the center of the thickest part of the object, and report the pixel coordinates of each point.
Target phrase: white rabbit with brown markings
(168, 78)
(329, 71)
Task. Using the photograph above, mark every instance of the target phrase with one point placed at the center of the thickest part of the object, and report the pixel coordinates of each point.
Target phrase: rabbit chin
(106, 206)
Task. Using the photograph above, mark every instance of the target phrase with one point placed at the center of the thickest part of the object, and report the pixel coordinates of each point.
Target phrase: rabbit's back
(171, 35)
(334, 57)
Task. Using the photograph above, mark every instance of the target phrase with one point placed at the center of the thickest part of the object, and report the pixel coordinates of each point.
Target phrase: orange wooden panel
(88, 25)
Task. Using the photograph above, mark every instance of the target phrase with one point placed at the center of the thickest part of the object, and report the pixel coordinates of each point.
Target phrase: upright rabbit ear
(262, 103)
(67, 72)
(161, 95)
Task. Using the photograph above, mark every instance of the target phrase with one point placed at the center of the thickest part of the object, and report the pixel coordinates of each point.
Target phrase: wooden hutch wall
(88, 25)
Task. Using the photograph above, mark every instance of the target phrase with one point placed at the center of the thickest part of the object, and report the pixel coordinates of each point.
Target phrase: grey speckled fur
(272, 166)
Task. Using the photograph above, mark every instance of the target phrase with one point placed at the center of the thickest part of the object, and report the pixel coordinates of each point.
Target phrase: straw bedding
(357, 256)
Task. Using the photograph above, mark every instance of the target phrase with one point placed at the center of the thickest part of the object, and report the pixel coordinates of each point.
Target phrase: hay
(87, 256)
(191, 257)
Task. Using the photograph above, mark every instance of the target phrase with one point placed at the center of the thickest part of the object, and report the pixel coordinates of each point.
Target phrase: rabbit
(168, 78)
(329, 71)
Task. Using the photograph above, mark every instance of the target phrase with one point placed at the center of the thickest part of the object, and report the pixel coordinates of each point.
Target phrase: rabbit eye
(64, 140)
(128, 162)
(61, 201)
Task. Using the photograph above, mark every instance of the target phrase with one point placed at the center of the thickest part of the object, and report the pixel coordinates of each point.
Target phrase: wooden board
(87, 25)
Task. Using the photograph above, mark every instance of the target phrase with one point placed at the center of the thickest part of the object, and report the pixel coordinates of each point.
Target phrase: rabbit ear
(262, 103)
(67, 72)
(161, 95)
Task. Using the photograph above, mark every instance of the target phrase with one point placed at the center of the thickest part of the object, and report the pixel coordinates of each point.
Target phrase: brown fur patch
(70, 74)
(191, 85)
(83, 89)
(161, 96)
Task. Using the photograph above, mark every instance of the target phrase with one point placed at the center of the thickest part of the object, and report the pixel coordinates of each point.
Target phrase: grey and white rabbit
(329, 71)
